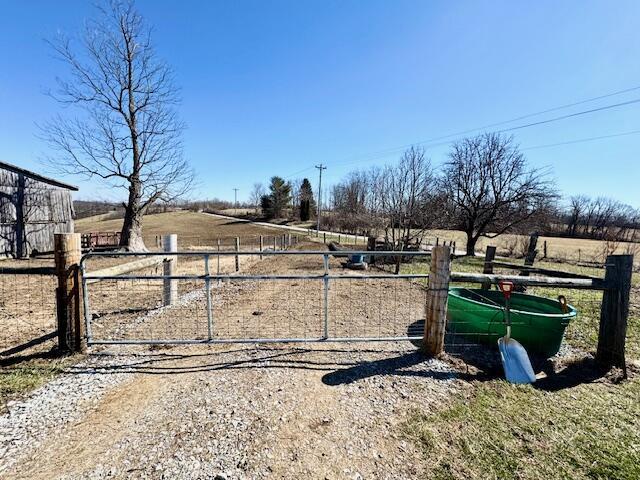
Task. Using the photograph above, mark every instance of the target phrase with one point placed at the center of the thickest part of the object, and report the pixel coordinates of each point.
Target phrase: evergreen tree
(307, 204)
(278, 199)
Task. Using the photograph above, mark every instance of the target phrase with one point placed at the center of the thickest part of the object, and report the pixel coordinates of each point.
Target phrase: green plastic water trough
(538, 323)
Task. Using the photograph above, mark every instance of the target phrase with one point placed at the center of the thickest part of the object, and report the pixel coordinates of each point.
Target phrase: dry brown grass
(562, 249)
(192, 228)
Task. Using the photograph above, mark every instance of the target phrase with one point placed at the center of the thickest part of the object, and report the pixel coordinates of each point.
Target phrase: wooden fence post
(71, 326)
(489, 256)
(237, 256)
(170, 286)
(437, 298)
(275, 245)
(324, 237)
(261, 246)
(371, 247)
(530, 257)
(614, 312)
(544, 249)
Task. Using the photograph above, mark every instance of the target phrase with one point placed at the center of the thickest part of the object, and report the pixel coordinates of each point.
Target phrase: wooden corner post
(170, 286)
(437, 297)
(71, 327)
(614, 312)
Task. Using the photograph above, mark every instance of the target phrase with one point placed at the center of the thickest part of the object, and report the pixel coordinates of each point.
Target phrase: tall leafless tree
(126, 131)
(407, 193)
(397, 200)
(257, 192)
(490, 189)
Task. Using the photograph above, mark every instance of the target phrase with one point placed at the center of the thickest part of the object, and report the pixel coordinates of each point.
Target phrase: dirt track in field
(322, 410)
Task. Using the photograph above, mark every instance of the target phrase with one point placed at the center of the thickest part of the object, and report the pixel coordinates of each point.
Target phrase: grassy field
(561, 249)
(193, 229)
(498, 430)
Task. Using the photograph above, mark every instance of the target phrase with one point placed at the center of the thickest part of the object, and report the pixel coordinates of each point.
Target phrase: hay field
(193, 229)
(562, 249)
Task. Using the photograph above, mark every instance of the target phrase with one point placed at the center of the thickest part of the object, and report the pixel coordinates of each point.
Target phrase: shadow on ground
(351, 363)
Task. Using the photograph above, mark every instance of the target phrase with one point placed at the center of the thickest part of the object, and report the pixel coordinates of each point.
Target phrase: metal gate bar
(90, 279)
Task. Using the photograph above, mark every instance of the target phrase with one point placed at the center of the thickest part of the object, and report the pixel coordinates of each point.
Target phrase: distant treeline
(598, 218)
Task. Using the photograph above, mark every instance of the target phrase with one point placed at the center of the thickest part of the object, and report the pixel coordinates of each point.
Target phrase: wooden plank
(614, 312)
(126, 268)
(437, 298)
(587, 283)
(543, 271)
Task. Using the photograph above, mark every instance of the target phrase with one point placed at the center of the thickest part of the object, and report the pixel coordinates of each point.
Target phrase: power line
(298, 172)
(563, 117)
(581, 140)
(426, 144)
(389, 151)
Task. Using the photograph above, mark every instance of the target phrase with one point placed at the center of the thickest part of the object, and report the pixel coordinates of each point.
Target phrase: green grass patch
(22, 377)
(517, 432)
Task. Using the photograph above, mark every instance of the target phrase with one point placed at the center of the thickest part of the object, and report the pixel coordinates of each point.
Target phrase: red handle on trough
(506, 288)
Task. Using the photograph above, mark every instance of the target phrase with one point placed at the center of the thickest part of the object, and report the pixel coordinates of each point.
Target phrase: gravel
(325, 411)
(66, 398)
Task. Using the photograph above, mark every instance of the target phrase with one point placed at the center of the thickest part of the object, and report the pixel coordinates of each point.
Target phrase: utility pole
(235, 198)
(320, 168)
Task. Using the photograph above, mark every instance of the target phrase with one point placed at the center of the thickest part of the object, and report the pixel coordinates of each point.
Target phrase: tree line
(485, 188)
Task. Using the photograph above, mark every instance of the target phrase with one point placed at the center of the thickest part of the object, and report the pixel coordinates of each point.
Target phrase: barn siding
(44, 209)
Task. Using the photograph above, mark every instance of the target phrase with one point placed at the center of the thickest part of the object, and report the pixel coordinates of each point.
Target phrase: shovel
(515, 361)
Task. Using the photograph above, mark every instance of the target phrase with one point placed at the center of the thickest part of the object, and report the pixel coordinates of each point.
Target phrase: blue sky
(274, 87)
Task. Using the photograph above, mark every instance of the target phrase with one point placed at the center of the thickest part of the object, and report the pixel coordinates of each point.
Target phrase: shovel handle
(506, 287)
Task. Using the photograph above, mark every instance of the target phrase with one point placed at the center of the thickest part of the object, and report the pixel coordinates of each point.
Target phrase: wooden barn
(32, 209)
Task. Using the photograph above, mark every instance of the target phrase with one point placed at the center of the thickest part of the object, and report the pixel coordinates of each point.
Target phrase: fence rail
(269, 295)
(323, 303)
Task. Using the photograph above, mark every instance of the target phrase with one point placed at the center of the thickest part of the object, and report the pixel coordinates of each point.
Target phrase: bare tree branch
(125, 130)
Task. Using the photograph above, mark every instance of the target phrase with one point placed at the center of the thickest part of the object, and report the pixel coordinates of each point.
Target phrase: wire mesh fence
(285, 296)
(244, 243)
(540, 320)
(27, 305)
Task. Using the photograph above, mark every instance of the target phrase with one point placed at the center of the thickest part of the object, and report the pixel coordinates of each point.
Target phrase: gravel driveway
(321, 410)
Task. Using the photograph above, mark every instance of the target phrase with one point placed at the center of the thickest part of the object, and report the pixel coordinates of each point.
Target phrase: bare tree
(127, 132)
(256, 195)
(397, 200)
(406, 194)
(577, 208)
(490, 190)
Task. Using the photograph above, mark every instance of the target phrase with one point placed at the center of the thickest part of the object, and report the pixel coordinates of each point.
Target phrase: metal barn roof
(37, 176)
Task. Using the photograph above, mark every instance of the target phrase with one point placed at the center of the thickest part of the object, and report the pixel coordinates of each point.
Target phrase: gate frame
(326, 277)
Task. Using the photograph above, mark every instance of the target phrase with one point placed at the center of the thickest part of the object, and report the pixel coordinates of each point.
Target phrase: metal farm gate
(268, 296)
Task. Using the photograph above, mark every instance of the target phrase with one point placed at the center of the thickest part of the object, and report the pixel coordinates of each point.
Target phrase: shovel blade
(515, 361)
